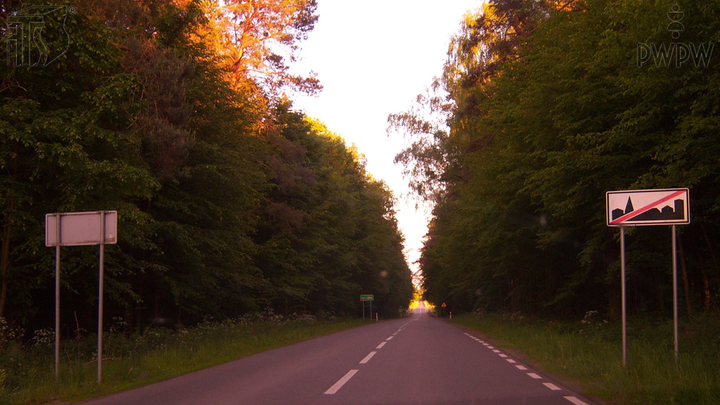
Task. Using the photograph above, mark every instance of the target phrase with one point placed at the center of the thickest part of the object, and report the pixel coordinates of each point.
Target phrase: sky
(373, 58)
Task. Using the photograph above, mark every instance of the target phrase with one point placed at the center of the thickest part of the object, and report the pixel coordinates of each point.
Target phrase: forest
(178, 115)
(543, 107)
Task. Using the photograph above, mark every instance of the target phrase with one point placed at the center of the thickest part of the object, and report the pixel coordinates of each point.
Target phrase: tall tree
(552, 107)
(260, 37)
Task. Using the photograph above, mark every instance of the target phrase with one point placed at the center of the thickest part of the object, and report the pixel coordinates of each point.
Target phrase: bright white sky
(373, 58)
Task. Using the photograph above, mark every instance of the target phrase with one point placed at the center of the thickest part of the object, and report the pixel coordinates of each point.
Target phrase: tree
(254, 35)
(59, 151)
(228, 201)
(551, 110)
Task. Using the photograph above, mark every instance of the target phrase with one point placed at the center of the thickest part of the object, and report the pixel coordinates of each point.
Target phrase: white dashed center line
(380, 346)
(367, 358)
(332, 390)
(535, 376)
(521, 367)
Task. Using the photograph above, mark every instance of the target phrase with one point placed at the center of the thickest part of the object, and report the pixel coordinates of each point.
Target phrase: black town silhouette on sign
(654, 214)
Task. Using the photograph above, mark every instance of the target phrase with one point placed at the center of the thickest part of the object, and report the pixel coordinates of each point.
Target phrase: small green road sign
(367, 297)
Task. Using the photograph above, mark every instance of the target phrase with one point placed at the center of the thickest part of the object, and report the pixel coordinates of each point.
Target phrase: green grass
(27, 373)
(590, 353)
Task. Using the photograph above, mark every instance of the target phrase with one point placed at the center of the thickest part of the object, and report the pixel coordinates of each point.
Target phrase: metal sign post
(657, 207)
(57, 304)
(675, 294)
(622, 288)
(80, 229)
(101, 285)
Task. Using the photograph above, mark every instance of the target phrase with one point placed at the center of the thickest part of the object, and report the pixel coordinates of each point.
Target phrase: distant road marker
(380, 346)
(535, 376)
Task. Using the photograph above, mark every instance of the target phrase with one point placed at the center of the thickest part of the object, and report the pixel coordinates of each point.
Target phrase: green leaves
(226, 205)
(548, 125)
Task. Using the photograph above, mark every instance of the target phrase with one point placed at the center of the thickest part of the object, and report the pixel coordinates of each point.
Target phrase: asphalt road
(418, 360)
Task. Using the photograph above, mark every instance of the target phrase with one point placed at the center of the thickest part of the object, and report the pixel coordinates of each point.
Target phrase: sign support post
(624, 302)
(657, 207)
(675, 294)
(101, 286)
(80, 229)
(57, 303)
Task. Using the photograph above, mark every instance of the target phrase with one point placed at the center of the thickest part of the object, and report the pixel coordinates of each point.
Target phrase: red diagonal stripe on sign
(646, 208)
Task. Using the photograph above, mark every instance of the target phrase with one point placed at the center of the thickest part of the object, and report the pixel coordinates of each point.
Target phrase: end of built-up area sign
(644, 208)
(648, 207)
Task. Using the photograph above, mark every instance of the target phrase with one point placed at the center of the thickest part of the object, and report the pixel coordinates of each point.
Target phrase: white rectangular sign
(648, 207)
(80, 228)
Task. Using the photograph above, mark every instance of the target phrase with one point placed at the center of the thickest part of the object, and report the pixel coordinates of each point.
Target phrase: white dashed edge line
(570, 398)
(552, 386)
(576, 401)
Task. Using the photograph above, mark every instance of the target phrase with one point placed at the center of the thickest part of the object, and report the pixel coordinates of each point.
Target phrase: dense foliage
(550, 105)
(172, 112)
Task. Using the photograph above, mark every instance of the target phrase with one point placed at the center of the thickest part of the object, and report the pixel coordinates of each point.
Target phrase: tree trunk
(706, 286)
(5, 258)
(706, 281)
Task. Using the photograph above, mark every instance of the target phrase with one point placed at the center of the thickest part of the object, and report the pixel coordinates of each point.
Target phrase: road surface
(412, 361)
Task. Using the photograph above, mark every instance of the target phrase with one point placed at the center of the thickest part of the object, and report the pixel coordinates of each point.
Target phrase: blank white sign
(80, 228)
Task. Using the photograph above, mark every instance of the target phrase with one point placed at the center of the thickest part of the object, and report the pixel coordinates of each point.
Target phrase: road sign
(81, 228)
(648, 207)
(367, 297)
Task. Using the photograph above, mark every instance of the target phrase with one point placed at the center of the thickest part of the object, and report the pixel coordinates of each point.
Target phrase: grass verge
(590, 352)
(27, 373)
